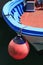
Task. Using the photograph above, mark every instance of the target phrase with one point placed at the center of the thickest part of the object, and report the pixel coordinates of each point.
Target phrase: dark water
(2, 3)
(6, 34)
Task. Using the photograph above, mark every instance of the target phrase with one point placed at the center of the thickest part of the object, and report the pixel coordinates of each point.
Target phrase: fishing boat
(26, 20)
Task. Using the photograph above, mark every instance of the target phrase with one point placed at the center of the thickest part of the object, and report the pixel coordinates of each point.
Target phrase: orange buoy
(18, 48)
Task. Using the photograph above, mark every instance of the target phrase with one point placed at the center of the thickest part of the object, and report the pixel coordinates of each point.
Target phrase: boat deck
(34, 19)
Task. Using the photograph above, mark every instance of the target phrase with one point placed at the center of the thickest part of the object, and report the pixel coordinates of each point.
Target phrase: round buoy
(18, 48)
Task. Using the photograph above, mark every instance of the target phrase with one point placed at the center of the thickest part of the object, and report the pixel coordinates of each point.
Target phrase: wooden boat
(29, 24)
